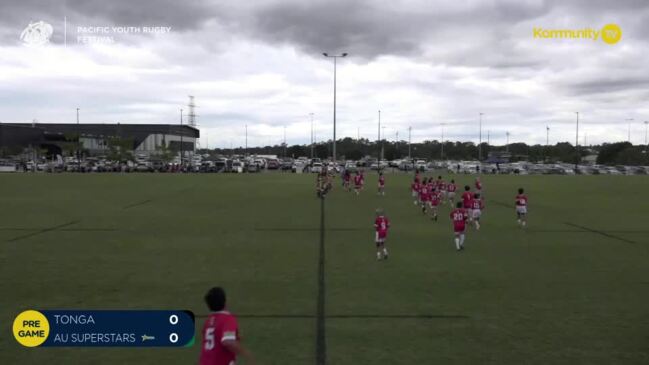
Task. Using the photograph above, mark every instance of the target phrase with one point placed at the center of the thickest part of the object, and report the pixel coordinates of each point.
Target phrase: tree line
(622, 153)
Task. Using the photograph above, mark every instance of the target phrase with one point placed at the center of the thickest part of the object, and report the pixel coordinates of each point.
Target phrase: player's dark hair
(520, 190)
(476, 195)
(453, 181)
(215, 299)
(459, 204)
(467, 188)
(439, 177)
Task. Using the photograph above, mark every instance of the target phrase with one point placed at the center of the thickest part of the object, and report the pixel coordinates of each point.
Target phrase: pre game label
(137, 328)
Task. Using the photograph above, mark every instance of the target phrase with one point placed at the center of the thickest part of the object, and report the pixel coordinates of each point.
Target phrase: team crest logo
(37, 34)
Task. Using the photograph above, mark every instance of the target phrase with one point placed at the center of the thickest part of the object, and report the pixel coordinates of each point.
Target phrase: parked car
(237, 167)
(316, 167)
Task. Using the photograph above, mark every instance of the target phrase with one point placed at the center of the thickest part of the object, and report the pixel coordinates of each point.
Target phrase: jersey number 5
(209, 338)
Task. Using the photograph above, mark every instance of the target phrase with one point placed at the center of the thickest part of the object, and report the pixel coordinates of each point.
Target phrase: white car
(421, 165)
(237, 167)
(316, 167)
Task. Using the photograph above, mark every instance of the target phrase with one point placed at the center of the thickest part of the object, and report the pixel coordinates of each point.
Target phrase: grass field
(572, 288)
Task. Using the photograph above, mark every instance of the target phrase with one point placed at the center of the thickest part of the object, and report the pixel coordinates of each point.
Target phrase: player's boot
(385, 254)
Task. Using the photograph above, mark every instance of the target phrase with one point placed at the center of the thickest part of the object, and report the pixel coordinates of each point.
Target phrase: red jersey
(358, 180)
(466, 199)
(347, 177)
(219, 326)
(478, 185)
(423, 193)
(441, 185)
(459, 217)
(477, 204)
(451, 188)
(381, 224)
(435, 198)
(382, 180)
(417, 178)
(521, 200)
(415, 186)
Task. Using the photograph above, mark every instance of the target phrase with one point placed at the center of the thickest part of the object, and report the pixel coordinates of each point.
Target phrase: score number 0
(173, 337)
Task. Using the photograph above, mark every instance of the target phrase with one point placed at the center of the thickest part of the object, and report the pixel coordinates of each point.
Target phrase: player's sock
(519, 221)
(477, 225)
(524, 223)
(457, 243)
(378, 255)
(462, 240)
(385, 253)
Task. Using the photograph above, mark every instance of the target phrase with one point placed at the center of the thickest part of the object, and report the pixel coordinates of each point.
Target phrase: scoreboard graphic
(104, 328)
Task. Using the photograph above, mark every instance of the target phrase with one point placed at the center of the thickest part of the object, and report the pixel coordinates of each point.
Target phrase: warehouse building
(95, 138)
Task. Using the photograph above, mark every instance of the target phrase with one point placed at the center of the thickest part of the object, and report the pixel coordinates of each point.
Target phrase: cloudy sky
(259, 63)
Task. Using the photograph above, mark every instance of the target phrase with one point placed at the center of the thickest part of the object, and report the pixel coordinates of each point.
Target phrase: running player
(434, 200)
(478, 186)
(221, 342)
(414, 188)
(358, 182)
(381, 224)
(477, 205)
(423, 195)
(521, 207)
(362, 179)
(347, 177)
(466, 200)
(381, 184)
(441, 188)
(451, 188)
(459, 217)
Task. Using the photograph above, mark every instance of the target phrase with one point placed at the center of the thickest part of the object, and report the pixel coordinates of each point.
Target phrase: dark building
(144, 138)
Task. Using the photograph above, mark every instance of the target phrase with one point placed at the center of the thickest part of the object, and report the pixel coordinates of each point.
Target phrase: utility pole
(547, 141)
(645, 134)
(246, 150)
(507, 145)
(182, 157)
(284, 141)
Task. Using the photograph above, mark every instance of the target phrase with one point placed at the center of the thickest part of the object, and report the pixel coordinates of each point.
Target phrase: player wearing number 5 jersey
(221, 342)
(521, 207)
(381, 224)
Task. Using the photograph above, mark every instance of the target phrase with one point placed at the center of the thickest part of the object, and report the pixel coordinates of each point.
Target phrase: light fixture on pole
(335, 57)
(629, 120)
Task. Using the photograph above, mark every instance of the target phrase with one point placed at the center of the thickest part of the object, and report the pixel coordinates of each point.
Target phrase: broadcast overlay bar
(104, 328)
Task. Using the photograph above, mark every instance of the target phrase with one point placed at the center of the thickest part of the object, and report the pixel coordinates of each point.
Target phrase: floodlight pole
(378, 141)
(645, 133)
(409, 142)
(441, 155)
(577, 143)
(78, 144)
(311, 114)
(480, 139)
(629, 120)
(182, 158)
(335, 57)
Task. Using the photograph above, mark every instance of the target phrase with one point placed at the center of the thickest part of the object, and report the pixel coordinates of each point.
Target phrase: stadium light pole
(409, 142)
(629, 120)
(335, 57)
(507, 145)
(577, 143)
(480, 139)
(311, 114)
(378, 142)
(441, 154)
(246, 150)
(547, 141)
(78, 144)
(646, 122)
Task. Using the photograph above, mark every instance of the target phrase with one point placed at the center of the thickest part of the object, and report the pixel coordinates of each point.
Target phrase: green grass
(552, 294)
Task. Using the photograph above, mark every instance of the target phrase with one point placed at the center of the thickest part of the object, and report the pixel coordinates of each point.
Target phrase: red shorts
(459, 229)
